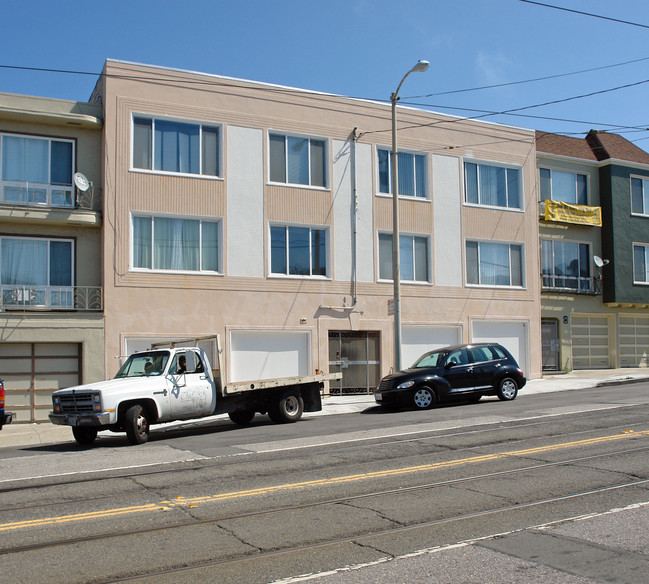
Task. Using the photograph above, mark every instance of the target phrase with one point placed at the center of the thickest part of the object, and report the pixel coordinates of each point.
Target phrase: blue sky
(359, 48)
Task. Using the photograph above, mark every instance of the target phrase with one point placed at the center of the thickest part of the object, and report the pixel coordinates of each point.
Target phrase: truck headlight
(56, 404)
(97, 403)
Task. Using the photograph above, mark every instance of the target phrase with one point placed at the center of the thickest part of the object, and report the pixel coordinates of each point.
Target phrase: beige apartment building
(51, 319)
(263, 214)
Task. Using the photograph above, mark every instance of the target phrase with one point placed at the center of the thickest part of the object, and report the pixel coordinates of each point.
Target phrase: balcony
(569, 284)
(44, 195)
(47, 298)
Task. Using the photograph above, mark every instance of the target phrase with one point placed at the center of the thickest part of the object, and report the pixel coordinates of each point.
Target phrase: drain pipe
(354, 139)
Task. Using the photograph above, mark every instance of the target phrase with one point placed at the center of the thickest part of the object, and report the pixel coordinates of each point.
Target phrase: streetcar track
(347, 499)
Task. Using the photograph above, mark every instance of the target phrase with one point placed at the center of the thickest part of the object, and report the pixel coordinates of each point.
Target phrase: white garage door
(590, 342)
(634, 341)
(417, 340)
(511, 335)
(263, 355)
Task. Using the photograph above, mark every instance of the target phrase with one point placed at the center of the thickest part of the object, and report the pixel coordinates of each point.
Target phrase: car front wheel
(424, 398)
(507, 389)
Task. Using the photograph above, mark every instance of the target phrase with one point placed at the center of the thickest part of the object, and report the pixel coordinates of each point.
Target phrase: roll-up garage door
(511, 335)
(590, 342)
(417, 340)
(32, 371)
(634, 341)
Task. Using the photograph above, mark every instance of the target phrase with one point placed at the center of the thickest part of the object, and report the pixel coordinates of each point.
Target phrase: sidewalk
(47, 433)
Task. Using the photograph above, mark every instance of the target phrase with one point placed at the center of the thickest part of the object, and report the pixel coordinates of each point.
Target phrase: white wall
(417, 340)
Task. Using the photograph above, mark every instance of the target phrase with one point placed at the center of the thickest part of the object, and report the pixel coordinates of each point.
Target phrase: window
(495, 186)
(174, 244)
(567, 187)
(494, 264)
(566, 264)
(171, 146)
(641, 264)
(640, 196)
(297, 160)
(411, 175)
(36, 272)
(298, 251)
(413, 254)
(36, 171)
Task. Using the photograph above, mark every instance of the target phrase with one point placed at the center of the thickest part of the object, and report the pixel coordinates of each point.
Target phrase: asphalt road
(548, 488)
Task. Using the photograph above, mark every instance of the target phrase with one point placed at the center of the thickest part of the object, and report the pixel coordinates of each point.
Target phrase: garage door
(511, 335)
(634, 341)
(417, 340)
(590, 342)
(264, 355)
(32, 371)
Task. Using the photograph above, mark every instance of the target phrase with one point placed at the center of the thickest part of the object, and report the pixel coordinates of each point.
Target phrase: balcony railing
(81, 298)
(38, 194)
(568, 284)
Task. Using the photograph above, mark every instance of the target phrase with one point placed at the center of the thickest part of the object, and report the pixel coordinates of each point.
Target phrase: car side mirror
(450, 364)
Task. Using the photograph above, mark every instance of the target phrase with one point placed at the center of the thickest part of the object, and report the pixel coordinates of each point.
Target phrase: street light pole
(396, 262)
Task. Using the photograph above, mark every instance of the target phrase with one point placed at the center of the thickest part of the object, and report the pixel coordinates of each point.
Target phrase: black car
(462, 371)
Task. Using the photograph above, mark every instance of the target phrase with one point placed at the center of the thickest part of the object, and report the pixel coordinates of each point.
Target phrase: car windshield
(144, 364)
(432, 359)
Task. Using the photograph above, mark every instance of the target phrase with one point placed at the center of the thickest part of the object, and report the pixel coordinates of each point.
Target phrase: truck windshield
(144, 364)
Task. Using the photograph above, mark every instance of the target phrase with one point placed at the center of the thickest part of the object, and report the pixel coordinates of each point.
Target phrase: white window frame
(510, 244)
(645, 247)
(415, 153)
(48, 189)
(200, 124)
(412, 236)
(575, 174)
(311, 276)
(580, 279)
(644, 180)
(200, 220)
(506, 167)
(309, 138)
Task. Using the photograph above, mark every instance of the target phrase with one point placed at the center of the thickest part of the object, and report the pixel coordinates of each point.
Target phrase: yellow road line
(183, 502)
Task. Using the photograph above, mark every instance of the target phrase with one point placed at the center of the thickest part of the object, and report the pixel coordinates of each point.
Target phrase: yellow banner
(567, 213)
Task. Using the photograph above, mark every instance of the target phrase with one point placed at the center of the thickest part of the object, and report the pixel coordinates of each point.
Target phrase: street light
(396, 263)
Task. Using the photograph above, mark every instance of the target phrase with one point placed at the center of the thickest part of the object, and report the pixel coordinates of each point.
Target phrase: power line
(585, 13)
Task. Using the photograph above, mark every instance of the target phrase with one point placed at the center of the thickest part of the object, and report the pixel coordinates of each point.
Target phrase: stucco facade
(336, 314)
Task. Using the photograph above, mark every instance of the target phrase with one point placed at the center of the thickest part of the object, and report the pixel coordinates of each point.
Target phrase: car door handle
(470, 369)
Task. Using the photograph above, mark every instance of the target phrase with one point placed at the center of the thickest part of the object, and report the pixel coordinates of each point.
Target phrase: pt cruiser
(463, 371)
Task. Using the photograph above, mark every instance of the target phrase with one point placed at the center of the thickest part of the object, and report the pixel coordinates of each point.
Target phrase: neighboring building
(595, 273)
(51, 319)
(263, 213)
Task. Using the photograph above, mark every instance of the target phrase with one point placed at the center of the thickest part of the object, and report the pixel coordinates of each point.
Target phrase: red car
(5, 417)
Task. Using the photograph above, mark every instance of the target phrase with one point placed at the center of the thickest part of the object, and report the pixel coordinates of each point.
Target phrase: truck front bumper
(80, 419)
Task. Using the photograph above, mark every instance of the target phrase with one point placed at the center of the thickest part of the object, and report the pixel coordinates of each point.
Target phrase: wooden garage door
(634, 341)
(590, 342)
(32, 371)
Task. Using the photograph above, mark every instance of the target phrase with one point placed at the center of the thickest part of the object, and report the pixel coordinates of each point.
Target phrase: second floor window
(567, 187)
(36, 171)
(494, 264)
(179, 147)
(297, 160)
(640, 196)
(411, 173)
(36, 272)
(413, 258)
(494, 186)
(175, 244)
(641, 264)
(566, 264)
(298, 251)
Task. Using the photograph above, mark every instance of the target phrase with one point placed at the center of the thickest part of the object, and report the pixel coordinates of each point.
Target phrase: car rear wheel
(424, 398)
(507, 389)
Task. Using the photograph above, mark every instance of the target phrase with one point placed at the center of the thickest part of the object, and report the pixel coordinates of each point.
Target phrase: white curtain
(24, 262)
(176, 244)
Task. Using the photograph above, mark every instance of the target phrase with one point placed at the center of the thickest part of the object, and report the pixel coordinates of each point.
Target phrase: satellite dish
(81, 182)
(599, 262)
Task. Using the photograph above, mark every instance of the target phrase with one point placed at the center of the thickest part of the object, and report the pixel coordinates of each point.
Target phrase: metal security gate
(32, 371)
(357, 355)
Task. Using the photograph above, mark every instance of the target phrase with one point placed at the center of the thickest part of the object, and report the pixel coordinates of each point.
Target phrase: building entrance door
(356, 355)
(550, 345)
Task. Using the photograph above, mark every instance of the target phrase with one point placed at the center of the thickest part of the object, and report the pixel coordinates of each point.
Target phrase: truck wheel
(84, 436)
(288, 408)
(136, 424)
(242, 417)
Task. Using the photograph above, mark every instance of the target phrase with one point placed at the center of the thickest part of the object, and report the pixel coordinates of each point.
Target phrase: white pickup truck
(170, 383)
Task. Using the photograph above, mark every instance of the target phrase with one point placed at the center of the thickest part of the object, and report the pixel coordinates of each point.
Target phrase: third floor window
(36, 171)
(567, 187)
(493, 186)
(639, 196)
